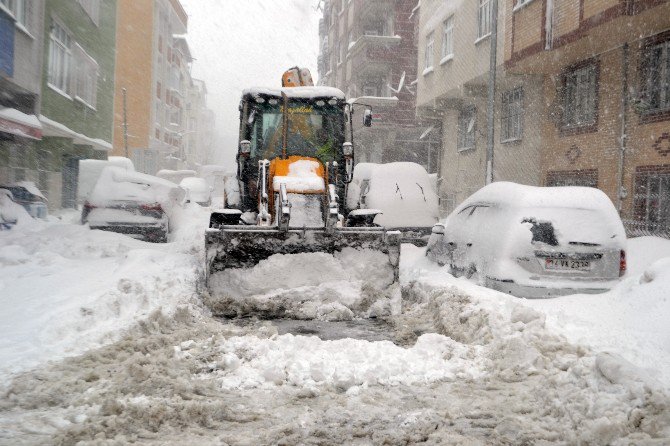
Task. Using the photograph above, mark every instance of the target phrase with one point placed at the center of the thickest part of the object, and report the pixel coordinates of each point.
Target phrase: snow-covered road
(144, 360)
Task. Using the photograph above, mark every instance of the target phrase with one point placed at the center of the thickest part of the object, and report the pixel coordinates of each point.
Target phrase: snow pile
(66, 289)
(631, 320)
(302, 177)
(344, 364)
(307, 286)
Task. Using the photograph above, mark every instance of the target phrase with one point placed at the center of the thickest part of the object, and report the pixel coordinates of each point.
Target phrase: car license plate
(567, 264)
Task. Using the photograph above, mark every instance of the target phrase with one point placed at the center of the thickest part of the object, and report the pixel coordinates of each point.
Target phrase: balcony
(373, 54)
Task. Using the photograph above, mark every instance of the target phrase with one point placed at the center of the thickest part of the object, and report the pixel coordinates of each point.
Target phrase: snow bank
(66, 289)
(631, 320)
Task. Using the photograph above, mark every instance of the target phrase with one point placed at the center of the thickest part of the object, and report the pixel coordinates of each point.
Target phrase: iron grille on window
(466, 128)
(484, 19)
(657, 77)
(652, 198)
(580, 94)
(511, 121)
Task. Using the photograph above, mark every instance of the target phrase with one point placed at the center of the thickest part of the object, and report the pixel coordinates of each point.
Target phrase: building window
(92, 8)
(448, 39)
(340, 52)
(374, 28)
(652, 198)
(580, 96)
(374, 87)
(484, 19)
(60, 58)
(584, 178)
(657, 77)
(18, 9)
(430, 46)
(158, 90)
(511, 117)
(466, 128)
(86, 82)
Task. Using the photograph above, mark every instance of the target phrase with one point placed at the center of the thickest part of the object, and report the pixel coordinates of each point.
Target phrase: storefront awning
(17, 123)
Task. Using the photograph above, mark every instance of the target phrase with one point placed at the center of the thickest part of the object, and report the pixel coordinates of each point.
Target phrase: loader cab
(317, 128)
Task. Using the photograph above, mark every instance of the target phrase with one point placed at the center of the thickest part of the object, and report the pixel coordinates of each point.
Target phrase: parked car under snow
(534, 241)
(197, 190)
(30, 197)
(397, 196)
(132, 203)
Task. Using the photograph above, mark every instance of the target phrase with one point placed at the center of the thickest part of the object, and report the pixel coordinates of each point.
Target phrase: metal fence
(641, 228)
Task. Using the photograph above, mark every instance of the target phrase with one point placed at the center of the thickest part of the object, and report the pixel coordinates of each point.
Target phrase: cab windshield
(315, 129)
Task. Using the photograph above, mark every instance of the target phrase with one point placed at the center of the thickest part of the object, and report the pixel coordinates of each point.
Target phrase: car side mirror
(367, 118)
(438, 229)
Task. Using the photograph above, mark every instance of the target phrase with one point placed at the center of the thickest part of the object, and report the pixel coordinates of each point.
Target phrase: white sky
(239, 44)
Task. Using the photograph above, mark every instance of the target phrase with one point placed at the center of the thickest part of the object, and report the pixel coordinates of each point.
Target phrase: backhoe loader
(294, 162)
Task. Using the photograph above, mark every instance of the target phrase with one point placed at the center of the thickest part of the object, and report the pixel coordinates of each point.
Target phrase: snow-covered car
(30, 197)
(397, 196)
(132, 203)
(197, 190)
(534, 241)
(90, 170)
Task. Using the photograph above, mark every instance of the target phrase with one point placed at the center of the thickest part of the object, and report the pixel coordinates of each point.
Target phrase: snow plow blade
(245, 246)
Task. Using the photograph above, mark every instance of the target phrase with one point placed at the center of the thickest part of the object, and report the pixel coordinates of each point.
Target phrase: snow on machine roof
(297, 92)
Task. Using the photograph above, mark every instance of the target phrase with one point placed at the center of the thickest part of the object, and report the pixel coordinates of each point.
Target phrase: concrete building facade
(453, 64)
(21, 54)
(368, 50)
(605, 68)
(62, 86)
(153, 66)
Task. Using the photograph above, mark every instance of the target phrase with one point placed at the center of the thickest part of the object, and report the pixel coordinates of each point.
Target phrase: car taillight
(88, 206)
(152, 207)
(622, 263)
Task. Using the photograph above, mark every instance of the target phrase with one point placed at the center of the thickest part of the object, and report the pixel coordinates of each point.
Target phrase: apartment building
(605, 67)
(200, 126)
(77, 103)
(153, 66)
(21, 52)
(454, 39)
(368, 50)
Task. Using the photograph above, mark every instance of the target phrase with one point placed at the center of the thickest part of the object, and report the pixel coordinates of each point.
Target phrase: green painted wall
(99, 43)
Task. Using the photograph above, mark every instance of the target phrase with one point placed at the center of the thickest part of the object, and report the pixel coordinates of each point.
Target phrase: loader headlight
(347, 149)
(245, 146)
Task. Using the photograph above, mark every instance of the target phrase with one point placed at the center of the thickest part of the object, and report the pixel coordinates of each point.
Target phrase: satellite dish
(400, 84)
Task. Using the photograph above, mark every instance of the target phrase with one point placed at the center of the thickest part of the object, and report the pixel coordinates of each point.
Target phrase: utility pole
(125, 123)
(490, 107)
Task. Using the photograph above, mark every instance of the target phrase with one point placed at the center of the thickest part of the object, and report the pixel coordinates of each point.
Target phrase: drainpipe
(621, 190)
(490, 108)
